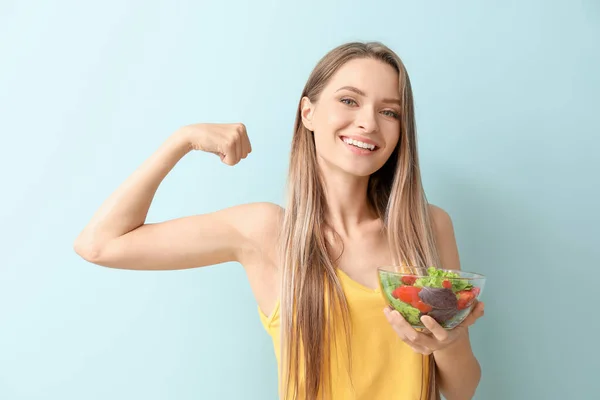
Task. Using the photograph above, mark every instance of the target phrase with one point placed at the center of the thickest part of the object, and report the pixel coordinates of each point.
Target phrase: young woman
(355, 202)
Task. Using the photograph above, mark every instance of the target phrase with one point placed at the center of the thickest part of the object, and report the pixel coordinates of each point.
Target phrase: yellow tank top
(383, 367)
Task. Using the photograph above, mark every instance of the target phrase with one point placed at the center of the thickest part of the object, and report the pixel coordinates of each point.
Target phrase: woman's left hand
(435, 337)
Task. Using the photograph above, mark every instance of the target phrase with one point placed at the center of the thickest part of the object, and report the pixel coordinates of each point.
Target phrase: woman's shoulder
(253, 218)
(443, 230)
(439, 217)
(250, 219)
(260, 224)
(266, 214)
(442, 225)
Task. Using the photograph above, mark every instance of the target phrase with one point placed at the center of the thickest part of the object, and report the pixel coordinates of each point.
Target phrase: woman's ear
(306, 111)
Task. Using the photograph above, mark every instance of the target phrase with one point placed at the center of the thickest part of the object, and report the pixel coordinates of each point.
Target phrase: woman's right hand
(229, 141)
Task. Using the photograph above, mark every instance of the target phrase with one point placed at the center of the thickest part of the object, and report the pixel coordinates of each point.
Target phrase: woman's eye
(349, 102)
(392, 114)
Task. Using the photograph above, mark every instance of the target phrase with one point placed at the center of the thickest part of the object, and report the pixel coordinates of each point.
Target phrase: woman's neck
(347, 204)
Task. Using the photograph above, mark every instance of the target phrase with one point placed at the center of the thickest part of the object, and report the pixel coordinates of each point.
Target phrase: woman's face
(356, 120)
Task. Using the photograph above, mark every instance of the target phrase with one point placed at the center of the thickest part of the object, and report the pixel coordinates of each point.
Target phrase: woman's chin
(360, 171)
(354, 168)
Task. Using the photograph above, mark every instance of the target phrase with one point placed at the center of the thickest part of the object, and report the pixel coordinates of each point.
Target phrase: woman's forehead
(370, 77)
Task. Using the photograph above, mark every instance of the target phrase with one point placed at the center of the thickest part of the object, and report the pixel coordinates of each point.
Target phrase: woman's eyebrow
(360, 92)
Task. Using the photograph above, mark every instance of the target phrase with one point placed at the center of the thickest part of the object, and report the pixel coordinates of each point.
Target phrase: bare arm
(458, 369)
(117, 235)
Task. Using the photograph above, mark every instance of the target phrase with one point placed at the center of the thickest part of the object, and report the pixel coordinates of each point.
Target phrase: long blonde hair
(309, 281)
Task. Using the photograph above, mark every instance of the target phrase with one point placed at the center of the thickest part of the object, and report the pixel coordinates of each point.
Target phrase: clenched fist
(229, 141)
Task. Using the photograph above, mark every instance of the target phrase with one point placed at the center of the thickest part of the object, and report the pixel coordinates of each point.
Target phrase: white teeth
(357, 143)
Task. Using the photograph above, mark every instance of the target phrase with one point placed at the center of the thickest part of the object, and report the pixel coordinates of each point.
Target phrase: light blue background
(507, 99)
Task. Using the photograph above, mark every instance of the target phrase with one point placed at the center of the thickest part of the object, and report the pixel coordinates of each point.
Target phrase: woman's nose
(366, 120)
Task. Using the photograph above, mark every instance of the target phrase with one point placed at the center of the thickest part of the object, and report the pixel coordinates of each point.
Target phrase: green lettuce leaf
(435, 277)
(409, 313)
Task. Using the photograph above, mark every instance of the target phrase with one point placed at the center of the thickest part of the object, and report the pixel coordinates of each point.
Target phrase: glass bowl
(445, 295)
